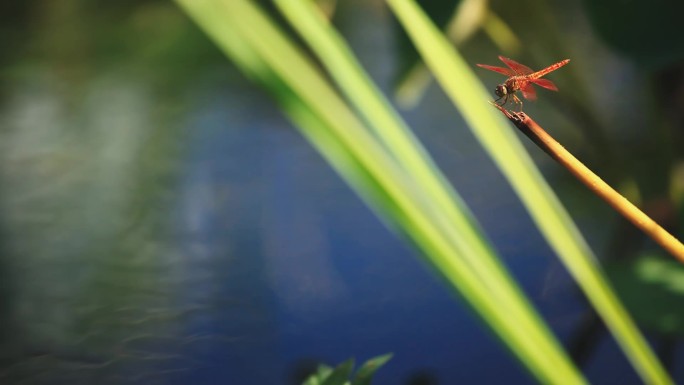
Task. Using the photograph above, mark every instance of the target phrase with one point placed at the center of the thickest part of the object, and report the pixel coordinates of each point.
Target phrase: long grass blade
(397, 137)
(461, 85)
(310, 102)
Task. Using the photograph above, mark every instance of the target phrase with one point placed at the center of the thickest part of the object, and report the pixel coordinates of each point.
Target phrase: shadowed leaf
(365, 374)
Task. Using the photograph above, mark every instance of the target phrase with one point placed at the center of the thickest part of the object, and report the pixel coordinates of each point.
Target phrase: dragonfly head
(501, 90)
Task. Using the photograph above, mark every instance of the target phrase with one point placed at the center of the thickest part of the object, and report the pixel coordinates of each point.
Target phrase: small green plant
(342, 374)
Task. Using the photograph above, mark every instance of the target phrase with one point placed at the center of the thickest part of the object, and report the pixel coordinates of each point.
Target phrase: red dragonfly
(521, 78)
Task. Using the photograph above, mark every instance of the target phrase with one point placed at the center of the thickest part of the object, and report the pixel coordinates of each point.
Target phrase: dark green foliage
(648, 32)
(652, 288)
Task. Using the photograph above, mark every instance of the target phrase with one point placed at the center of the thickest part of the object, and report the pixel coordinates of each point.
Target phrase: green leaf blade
(340, 375)
(364, 376)
(466, 92)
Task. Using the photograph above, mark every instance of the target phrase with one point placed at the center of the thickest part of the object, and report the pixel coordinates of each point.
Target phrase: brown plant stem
(554, 149)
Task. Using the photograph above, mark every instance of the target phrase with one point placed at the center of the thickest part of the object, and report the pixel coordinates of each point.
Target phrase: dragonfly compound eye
(500, 90)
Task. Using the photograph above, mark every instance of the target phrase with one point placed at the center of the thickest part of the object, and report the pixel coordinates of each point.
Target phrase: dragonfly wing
(548, 84)
(519, 69)
(501, 70)
(529, 92)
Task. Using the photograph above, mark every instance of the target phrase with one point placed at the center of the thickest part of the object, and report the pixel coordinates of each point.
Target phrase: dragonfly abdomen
(548, 69)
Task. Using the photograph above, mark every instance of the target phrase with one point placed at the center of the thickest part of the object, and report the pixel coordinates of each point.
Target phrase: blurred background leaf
(653, 288)
(644, 30)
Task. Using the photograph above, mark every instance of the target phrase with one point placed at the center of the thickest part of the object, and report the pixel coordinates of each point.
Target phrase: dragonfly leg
(518, 101)
(505, 99)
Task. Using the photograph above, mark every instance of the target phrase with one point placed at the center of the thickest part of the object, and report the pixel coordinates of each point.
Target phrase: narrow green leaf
(447, 207)
(467, 93)
(340, 375)
(315, 108)
(365, 374)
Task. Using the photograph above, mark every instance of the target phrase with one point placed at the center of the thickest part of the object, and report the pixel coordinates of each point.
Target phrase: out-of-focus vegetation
(343, 374)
